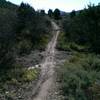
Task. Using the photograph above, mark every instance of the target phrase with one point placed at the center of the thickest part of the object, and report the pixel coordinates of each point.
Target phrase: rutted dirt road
(47, 68)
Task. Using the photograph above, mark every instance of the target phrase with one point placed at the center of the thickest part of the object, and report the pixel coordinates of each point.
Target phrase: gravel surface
(34, 58)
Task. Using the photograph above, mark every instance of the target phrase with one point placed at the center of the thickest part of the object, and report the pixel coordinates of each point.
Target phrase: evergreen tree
(42, 12)
(50, 12)
(25, 13)
(73, 14)
(57, 15)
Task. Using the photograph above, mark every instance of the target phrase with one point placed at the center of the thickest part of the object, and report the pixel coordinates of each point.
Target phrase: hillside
(7, 4)
(24, 34)
(54, 56)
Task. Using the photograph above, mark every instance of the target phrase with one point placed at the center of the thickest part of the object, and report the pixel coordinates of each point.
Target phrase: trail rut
(47, 68)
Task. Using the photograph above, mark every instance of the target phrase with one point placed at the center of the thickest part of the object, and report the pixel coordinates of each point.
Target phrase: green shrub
(29, 75)
(78, 77)
(91, 63)
(66, 45)
(62, 43)
(18, 75)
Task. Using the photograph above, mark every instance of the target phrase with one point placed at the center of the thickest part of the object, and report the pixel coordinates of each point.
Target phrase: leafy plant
(79, 77)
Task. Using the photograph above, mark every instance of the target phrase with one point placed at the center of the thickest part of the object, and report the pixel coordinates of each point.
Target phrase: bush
(91, 63)
(29, 75)
(78, 83)
(18, 75)
(66, 45)
(83, 28)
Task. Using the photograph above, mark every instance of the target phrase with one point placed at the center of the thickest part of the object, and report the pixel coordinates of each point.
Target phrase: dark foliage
(84, 27)
(50, 13)
(7, 4)
(73, 13)
(22, 29)
(42, 12)
(57, 15)
(79, 77)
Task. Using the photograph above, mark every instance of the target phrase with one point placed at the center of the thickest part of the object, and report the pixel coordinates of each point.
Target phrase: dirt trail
(47, 68)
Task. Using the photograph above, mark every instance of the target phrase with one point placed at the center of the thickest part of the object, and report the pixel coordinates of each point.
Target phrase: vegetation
(50, 13)
(73, 14)
(17, 76)
(7, 4)
(82, 27)
(55, 15)
(33, 27)
(22, 29)
(13, 80)
(79, 77)
(64, 44)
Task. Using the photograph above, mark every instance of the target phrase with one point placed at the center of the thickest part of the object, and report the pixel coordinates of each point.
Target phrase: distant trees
(56, 14)
(73, 13)
(42, 12)
(50, 13)
(25, 13)
(7, 4)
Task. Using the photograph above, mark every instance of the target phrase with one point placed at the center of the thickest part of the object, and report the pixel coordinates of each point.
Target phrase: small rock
(6, 92)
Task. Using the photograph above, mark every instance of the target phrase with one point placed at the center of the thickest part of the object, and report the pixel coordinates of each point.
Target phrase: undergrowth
(64, 44)
(17, 77)
(79, 77)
